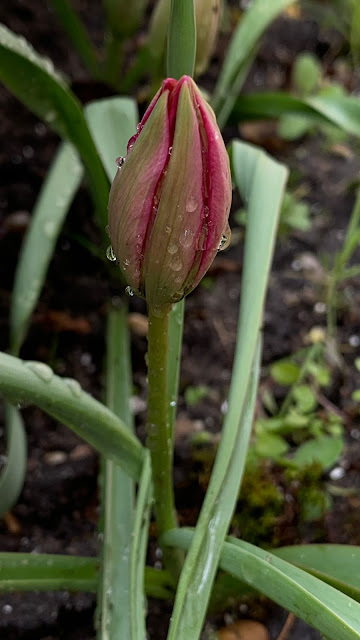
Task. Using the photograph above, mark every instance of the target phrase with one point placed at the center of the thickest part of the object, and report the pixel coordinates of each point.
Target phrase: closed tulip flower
(170, 199)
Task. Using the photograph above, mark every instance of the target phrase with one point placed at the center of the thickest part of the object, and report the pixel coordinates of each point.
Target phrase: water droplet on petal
(110, 254)
(176, 263)
(119, 161)
(129, 291)
(187, 238)
(191, 204)
(170, 151)
(172, 248)
(225, 239)
(41, 369)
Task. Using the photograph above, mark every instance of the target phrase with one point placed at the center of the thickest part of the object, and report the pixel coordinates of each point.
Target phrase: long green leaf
(138, 552)
(47, 572)
(336, 564)
(13, 474)
(181, 48)
(261, 181)
(34, 81)
(342, 111)
(62, 398)
(114, 610)
(50, 210)
(243, 43)
(77, 34)
(112, 122)
(331, 612)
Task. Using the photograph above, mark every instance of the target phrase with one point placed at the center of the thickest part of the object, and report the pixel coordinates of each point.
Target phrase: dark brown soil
(58, 509)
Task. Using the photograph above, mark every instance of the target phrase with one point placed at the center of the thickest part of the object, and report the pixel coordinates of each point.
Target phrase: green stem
(159, 438)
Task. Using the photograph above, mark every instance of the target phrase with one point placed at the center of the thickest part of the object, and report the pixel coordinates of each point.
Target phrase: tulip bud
(124, 16)
(207, 18)
(170, 199)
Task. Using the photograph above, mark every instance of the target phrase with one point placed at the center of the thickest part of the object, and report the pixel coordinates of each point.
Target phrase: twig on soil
(287, 627)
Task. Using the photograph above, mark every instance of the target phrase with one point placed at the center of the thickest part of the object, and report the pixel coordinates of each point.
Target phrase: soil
(58, 509)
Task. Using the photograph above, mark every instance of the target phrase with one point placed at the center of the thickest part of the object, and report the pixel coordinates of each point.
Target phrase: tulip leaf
(13, 474)
(63, 398)
(139, 550)
(50, 210)
(47, 572)
(342, 111)
(331, 612)
(261, 182)
(118, 493)
(336, 564)
(34, 81)
(77, 34)
(112, 122)
(242, 46)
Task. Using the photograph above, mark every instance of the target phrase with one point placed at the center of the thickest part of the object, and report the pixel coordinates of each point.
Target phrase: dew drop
(41, 369)
(50, 116)
(173, 403)
(129, 291)
(74, 386)
(225, 239)
(167, 229)
(176, 263)
(191, 204)
(139, 127)
(50, 229)
(110, 254)
(187, 238)
(119, 161)
(172, 249)
(170, 151)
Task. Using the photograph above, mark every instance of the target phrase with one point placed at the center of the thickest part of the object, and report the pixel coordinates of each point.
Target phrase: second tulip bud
(170, 200)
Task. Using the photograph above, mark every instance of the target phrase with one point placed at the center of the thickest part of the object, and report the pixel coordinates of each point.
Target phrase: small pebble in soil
(7, 608)
(28, 152)
(337, 473)
(81, 451)
(320, 307)
(244, 630)
(55, 457)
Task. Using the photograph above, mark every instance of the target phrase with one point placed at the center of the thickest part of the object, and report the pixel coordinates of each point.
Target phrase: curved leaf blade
(242, 46)
(112, 121)
(13, 474)
(34, 81)
(35, 382)
(341, 111)
(261, 181)
(328, 610)
(336, 564)
(49, 213)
